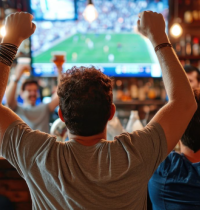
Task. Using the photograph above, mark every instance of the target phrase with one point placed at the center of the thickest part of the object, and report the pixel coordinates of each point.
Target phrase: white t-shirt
(36, 117)
(108, 175)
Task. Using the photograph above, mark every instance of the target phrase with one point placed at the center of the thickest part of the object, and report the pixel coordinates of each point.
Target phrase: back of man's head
(85, 100)
(191, 137)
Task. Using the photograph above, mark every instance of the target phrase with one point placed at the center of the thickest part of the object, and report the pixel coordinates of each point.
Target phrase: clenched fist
(152, 25)
(19, 26)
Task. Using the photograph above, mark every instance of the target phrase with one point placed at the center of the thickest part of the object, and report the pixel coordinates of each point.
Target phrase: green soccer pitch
(126, 48)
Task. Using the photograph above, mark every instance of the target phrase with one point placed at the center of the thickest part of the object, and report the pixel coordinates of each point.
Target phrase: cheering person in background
(37, 117)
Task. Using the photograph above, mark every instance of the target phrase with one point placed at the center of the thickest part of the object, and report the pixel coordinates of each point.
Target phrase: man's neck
(88, 140)
(189, 154)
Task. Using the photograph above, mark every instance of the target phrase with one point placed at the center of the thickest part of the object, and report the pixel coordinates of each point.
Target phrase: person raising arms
(89, 172)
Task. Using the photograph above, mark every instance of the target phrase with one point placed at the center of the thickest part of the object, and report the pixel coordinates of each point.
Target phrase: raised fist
(18, 26)
(152, 25)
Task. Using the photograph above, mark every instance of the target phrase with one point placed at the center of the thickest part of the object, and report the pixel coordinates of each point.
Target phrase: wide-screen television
(110, 43)
(53, 10)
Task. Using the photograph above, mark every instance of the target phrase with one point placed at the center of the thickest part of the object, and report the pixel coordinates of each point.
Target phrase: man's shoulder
(170, 164)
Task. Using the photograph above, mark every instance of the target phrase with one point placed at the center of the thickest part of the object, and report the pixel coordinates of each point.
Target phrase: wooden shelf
(190, 25)
(189, 57)
(134, 103)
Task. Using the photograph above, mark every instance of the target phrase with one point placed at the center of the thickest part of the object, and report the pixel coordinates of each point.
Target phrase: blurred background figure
(36, 116)
(193, 75)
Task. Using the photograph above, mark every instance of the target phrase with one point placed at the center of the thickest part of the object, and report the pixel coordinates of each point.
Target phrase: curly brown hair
(85, 95)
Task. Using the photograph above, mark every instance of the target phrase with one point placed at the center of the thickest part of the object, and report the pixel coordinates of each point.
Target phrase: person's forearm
(55, 100)
(4, 72)
(59, 69)
(59, 75)
(174, 77)
(11, 94)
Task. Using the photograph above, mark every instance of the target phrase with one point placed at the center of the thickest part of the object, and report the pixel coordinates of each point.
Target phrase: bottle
(114, 128)
(134, 91)
(195, 46)
(195, 15)
(178, 48)
(141, 91)
(126, 92)
(182, 43)
(188, 47)
(188, 18)
(134, 122)
(119, 91)
(152, 91)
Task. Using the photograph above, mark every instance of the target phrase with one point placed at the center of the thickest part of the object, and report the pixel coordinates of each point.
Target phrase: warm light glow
(90, 13)
(2, 31)
(176, 30)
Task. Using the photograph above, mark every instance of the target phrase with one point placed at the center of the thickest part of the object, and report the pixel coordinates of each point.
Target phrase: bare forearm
(55, 100)
(59, 75)
(4, 72)
(174, 77)
(11, 94)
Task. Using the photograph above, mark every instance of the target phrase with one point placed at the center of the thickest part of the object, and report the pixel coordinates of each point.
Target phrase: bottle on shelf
(119, 91)
(178, 48)
(188, 48)
(188, 18)
(152, 91)
(141, 91)
(195, 15)
(126, 92)
(134, 90)
(182, 44)
(134, 122)
(195, 46)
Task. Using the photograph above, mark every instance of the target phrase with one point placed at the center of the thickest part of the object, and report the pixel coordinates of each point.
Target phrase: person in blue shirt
(175, 185)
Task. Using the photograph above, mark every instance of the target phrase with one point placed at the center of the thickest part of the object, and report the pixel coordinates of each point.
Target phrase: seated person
(175, 184)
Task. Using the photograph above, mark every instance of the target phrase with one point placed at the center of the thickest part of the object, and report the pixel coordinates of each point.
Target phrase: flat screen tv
(53, 10)
(110, 43)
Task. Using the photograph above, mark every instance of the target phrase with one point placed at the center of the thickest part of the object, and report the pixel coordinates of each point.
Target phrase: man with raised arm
(89, 172)
(175, 183)
(37, 117)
